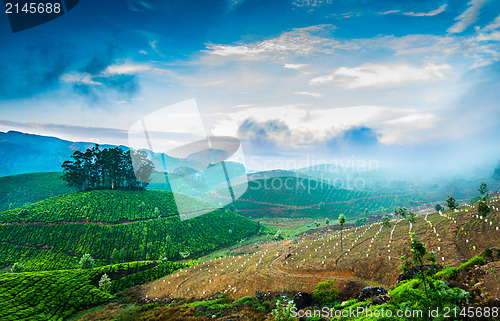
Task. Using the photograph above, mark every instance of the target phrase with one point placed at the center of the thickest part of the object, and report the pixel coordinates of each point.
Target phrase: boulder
(370, 292)
(381, 299)
(303, 300)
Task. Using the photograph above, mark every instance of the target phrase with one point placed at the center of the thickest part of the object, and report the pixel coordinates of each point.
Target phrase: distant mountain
(27, 153)
(22, 153)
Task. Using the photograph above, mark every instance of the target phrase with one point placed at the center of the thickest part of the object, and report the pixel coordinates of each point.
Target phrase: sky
(410, 84)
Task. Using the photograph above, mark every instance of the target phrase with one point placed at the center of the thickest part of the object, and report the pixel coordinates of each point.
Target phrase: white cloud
(79, 78)
(427, 14)
(495, 24)
(310, 3)
(299, 42)
(383, 75)
(295, 66)
(307, 93)
(321, 80)
(389, 12)
(125, 69)
(468, 17)
(305, 126)
(232, 4)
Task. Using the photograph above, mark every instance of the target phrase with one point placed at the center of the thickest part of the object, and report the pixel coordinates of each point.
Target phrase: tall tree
(483, 190)
(451, 202)
(110, 168)
(342, 221)
(86, 263)
(386, 221)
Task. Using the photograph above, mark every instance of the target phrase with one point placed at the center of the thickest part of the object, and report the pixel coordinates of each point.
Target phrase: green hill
(55, 295)
(302, 197)
(19, 190)
(53, 233)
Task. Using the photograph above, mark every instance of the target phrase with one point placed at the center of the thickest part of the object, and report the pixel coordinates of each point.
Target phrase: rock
(370, 292)
(303, 300)
(381, 299)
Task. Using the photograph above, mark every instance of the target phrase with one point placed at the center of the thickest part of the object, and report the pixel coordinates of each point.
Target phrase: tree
(110, 168)
(419, 255)
(316, 223)
(482, 207)
(115, 256)
(278, 235)
(327, 221)
(411, 217)
(342, 221)
(438, 207)
(105, 283)
(86, 263)
(17, 268)
(123, 254)
(483, 190)
(401, 211)
(451, 202)
(386, 221)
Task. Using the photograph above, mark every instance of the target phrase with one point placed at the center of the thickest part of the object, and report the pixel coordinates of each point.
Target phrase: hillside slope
(302, 197)
(372, 256)
(140, 225)
(22, 189)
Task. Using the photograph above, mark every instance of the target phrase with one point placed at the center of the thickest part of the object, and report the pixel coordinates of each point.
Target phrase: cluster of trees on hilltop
(109, 168)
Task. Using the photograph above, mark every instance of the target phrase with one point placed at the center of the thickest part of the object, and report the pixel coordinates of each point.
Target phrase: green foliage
(17, 268)
(401, 211)
(19, 190)
(476, 260)
(419, 256)
(283, 311)
(482, 207)
(447, 274)
(86, 262)
(451, 202)
(316, 199)
(326, 292)
(488, 252)
(342, 220)
(327, 221)
(105, 283)
(110, 168)
(386, 221)
(483, 189)
(438, 207)
(278, 235)
(55, 244)
(55, 295)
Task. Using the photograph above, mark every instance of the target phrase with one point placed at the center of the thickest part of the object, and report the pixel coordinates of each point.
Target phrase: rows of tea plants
(22, 189)
(139, 240)
(55, 295)
(34, 259)
(101, 206)
(313, 198)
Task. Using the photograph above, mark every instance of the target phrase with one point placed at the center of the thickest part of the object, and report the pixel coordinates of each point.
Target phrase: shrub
(447, 274)
(477, 260)
(326, 292)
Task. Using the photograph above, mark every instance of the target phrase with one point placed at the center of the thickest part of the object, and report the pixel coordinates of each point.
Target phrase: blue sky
(407, 81)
